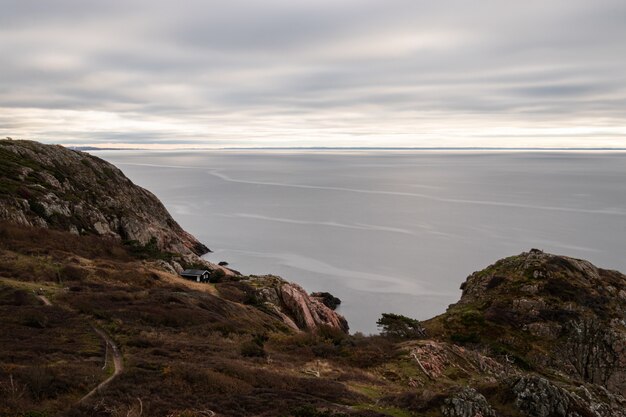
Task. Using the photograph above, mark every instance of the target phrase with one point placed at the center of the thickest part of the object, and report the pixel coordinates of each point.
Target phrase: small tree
(396, 325)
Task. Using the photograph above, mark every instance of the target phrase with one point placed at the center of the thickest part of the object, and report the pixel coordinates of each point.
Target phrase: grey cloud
(565, 91)
(234, 72)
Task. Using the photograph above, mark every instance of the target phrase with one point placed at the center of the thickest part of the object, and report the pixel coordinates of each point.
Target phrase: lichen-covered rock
(601, 402)
(467, 402)
(546, 330)
(537, 397)
(597, 351)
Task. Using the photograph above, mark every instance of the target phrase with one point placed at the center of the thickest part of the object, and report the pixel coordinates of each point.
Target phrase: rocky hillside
(51, 186)
(55, 187)
(533, 335)
(89, 295)
(553, 313)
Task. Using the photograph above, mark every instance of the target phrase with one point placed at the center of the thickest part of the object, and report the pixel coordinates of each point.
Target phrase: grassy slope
(191, 348)
(182, 346)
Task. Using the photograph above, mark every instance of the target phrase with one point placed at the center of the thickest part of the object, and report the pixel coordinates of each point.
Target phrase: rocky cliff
(548, 312)
(536, 335)
(54, 187)
(550, 333)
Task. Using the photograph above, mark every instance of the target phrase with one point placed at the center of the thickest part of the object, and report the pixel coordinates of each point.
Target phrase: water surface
(388, 231)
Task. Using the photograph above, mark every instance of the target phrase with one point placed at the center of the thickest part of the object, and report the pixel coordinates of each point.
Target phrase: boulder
(309, 313)
(327, 299)
(467, 402)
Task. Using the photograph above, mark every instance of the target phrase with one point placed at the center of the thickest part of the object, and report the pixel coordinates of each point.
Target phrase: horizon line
(364, 148)
(424, 148)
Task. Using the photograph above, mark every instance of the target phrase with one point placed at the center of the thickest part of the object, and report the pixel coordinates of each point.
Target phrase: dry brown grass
(181, 341)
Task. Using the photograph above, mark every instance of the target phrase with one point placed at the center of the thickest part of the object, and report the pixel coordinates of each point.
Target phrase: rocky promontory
(289, 301)
(55, 187)
(547, 312)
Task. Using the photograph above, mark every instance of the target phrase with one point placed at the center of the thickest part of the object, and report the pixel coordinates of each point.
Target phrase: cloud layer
(315, 73)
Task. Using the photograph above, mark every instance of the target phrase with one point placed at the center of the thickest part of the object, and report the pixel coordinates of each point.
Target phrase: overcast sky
(314, 73)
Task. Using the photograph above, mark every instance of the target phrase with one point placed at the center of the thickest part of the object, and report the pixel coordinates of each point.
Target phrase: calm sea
(388, 231)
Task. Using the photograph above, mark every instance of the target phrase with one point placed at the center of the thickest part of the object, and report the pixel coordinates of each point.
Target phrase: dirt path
(44, 300)
(118, 364)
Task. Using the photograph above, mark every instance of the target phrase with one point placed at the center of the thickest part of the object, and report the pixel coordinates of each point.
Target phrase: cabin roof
(194, 272)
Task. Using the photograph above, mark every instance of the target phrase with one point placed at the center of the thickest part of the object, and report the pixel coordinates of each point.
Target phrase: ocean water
(388, 231)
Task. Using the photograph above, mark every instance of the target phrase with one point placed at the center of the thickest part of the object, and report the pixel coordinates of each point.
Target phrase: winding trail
(118, 364)
(44, 300)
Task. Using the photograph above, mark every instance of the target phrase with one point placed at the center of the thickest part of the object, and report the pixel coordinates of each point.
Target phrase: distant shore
(324, 148)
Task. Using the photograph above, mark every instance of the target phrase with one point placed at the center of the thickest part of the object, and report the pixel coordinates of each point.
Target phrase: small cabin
(198, 275)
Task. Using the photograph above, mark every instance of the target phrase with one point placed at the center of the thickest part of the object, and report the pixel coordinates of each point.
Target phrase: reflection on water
(388, 231)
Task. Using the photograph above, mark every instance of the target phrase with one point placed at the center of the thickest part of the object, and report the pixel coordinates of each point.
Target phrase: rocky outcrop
(547, 312)
(292, 304)
(535, 335)
(51, 186)
(309, 312)
(467, 402)
(538, 397)
(437, 359)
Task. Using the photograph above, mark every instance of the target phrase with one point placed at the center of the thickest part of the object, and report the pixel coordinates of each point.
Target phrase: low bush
(35, 319)
(73, 273)
(149, 250)
(423, 401)
(465, 338)
(251, 349)
(37, 208)
(142, 342)
(44, 382)
(217, 276)
(254, 347)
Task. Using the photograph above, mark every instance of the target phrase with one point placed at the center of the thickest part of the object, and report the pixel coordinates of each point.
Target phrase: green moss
(465, 338)
(511, 355)
(472, 317)
(369, 391)
(90, 344)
